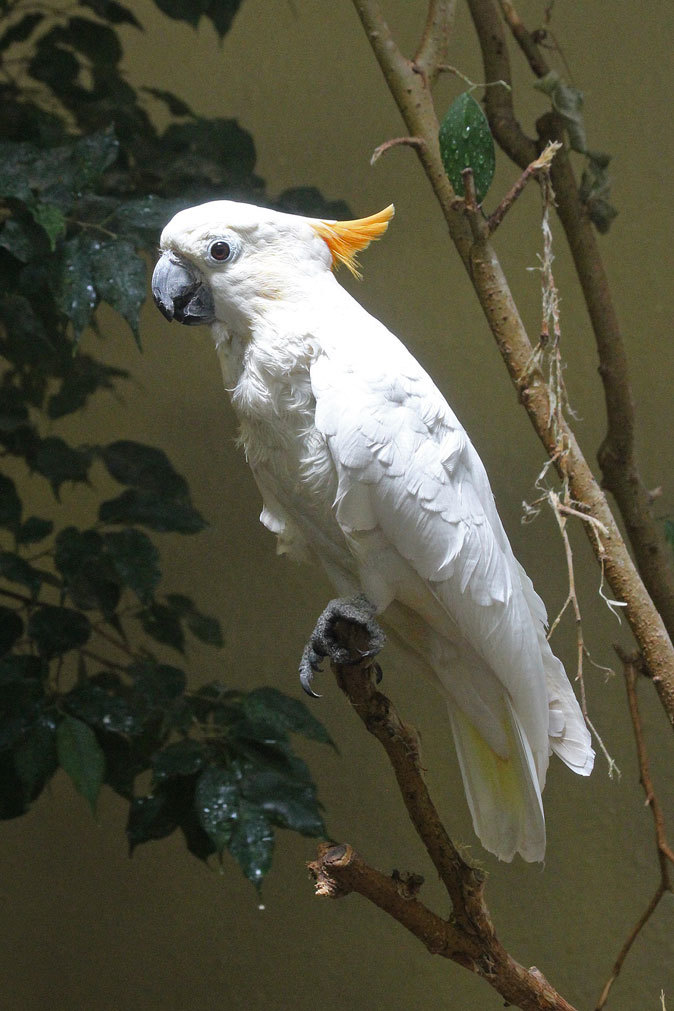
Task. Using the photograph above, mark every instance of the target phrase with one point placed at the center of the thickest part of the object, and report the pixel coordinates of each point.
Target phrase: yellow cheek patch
(345, 239)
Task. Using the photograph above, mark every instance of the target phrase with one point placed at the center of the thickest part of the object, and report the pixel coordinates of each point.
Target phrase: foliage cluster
(86, 182)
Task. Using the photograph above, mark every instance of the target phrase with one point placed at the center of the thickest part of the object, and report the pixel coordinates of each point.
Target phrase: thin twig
(540, 164)
(394, 142)
(631, 668)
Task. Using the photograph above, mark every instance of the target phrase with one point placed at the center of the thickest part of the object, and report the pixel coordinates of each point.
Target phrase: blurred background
(90, 928)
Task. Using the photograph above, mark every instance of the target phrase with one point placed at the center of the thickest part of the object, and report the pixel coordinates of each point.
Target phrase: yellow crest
(345, 239)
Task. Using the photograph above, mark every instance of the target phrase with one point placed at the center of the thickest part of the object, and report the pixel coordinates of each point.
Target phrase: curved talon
(378, 673)
(309, 665)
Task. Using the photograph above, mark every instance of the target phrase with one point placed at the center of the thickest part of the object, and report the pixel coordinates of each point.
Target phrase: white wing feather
(414, 500)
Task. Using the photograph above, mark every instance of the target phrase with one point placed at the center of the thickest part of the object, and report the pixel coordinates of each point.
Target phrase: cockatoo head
(224, 261)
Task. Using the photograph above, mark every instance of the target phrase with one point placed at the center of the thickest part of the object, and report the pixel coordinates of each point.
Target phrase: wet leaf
(81, 756)
(184, 758)
(149, 818)
(466, 142)
(284, 801)
(158, 683)
(217, 801)
(252, 842)
(119, 277)
(285, 714)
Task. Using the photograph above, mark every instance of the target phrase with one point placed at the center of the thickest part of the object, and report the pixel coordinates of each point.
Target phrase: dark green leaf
(21, 699)
(18, 570)
(183, 10)
(204, 626)
(13, 802)
(149, 818)
(106, 710)
(11, 628)
(284, 713)
(252, 842)
(22, 665)
(73, 548)
(54, 66)
(184, 758)
(13, 410)
(159, 684)
(309, 201)
(96, 41)
(19, 239)
(143, 218)
(110, 10)
(10, 504)
(143, 467)
(83, 377)
(175, 105)
(58, 629)
(73, 282)
(33, 530)
(136, 561)
(217, 800)
(20, 31)
(221, 13)
(285, 801)
(466, 142)
(50, 219)
(59, 462)
(35, 758)
(152, 510)
(162, 624)
(80, 754)
(88, 573)
(120, 280)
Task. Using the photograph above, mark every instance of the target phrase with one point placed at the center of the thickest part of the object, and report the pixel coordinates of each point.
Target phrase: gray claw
(357, 612)
(310, 664)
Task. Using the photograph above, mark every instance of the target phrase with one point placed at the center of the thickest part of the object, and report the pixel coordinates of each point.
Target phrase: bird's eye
(219, 250)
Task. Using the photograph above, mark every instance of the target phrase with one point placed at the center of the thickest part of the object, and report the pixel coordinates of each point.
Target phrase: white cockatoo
(364, 469)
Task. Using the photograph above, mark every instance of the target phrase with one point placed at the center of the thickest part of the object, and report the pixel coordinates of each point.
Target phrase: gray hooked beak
(180, 293)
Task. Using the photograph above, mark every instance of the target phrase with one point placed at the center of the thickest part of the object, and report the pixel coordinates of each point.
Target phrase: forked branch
(468, 937)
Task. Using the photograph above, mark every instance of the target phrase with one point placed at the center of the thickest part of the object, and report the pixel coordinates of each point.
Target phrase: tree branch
(412, 95)
(435, 38)
(469, 937)
(631, 668)
(617, 454)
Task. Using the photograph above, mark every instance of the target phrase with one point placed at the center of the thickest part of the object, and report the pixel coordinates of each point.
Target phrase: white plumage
(364, 468)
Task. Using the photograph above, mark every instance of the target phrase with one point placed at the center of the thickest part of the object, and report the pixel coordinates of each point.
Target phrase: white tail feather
(503, 793)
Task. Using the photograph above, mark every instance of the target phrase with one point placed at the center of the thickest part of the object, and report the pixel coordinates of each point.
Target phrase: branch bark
(617, 453)
(412, 94)
(468, 937)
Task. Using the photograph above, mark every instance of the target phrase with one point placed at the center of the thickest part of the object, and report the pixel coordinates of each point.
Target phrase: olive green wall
(89, 929)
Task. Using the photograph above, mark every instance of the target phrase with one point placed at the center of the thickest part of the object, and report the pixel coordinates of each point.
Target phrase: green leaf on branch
(59, 462)
(285, 801)
(34, 529)
(135, 559)
(466, 142)
(119, 277)
(35, 758)
(18, 570)
(252, 842)
(56, 630)
(204, 626)
(10, 504)
(11, 628)
(145, 467)
(285, 714)
(217, 803)
(81, 756)
(184, 758)
(162, 624)
(152, 510)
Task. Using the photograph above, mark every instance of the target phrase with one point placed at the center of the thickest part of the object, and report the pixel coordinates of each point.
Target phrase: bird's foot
(347, 634)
